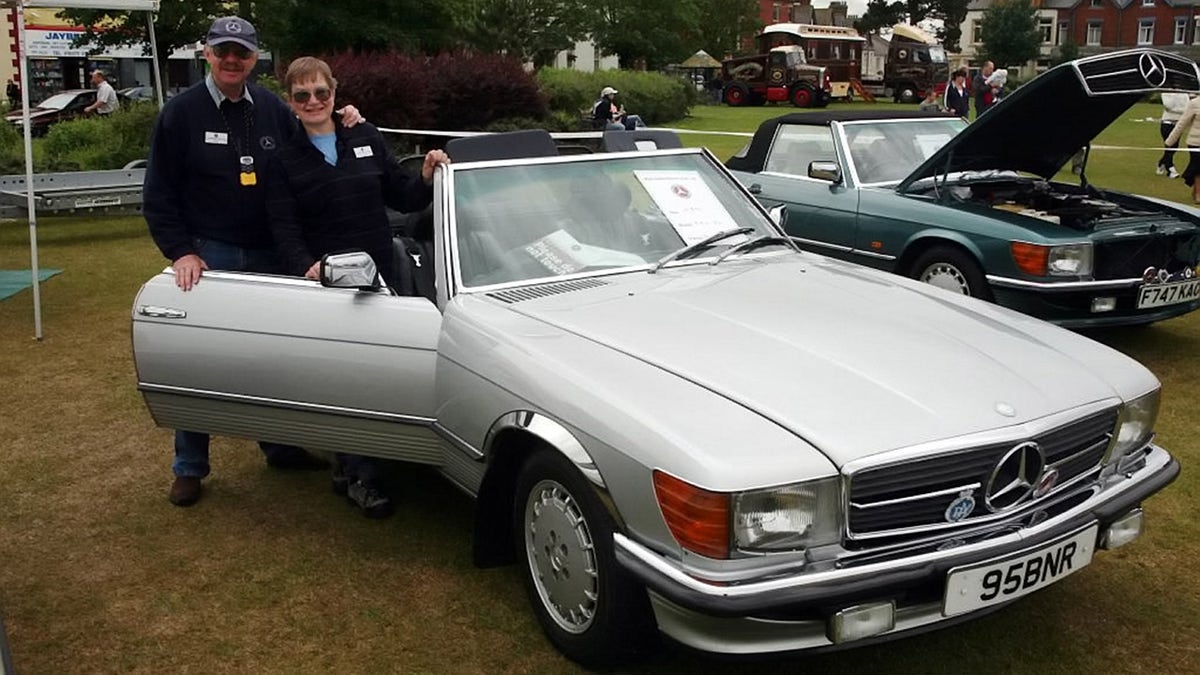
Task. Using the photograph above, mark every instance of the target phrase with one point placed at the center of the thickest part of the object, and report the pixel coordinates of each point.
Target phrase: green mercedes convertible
(973, 208)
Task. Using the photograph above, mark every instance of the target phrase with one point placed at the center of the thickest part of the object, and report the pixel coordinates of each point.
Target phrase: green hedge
(96, 143)
(657, 98)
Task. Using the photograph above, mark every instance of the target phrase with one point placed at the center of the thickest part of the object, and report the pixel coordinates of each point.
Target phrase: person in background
(980, 88)
(995, 84)
(931, 102)
(14, 95)
(106, 97)
(958, 99)
(605, 111)
(328, 191)
(1173, 103)
(205, 204)
(1190, 120)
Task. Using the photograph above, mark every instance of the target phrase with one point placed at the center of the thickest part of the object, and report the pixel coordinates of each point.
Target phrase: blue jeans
(191, 447)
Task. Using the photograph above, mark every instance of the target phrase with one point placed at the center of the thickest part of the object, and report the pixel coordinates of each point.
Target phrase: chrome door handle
(161, 312)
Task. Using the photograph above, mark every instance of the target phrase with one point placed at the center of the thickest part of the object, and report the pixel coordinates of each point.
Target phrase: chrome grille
(888, 500)
(1128, 257)
(1137, 70)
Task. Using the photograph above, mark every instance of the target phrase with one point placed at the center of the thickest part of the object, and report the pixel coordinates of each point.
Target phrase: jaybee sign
(57, 43)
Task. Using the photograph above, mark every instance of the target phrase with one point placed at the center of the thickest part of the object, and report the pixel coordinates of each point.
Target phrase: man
(980, 88)
(14, 95)
(205, 203)
(106, 98)
(606, 114)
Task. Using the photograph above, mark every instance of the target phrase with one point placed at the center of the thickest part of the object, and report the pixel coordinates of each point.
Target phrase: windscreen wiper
(757, 242)
(691, 248)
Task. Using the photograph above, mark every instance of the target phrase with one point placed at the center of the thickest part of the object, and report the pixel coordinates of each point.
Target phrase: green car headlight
(1135, 426)
(1070, 260)
(788, 518)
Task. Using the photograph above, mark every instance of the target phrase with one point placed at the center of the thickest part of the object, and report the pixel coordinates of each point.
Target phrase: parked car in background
(135, 94)
(973, 209)
(659, 404)
(65, 105)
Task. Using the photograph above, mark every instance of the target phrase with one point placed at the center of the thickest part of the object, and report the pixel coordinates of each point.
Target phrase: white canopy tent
(149, 6)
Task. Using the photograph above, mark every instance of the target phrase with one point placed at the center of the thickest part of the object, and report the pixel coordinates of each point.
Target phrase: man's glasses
(226, 48)
(303, 95)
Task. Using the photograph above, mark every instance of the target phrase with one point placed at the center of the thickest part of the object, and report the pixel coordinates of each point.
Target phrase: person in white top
(1173, 103)
(106, 97)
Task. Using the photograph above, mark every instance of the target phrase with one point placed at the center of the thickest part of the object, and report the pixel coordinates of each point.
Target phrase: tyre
(802, 96)
(906, 93)
(735, 95)
(952, 269)
(589, 609)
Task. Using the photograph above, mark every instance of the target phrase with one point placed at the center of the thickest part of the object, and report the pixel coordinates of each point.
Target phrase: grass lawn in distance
(273, 573)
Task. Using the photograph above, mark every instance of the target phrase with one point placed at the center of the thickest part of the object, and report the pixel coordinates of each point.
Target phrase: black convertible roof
(755, 155)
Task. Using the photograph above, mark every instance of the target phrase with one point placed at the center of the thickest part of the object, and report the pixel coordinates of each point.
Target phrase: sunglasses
(303, 95)
(226, 48)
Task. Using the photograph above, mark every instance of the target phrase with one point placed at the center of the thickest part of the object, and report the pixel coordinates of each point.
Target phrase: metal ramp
(117, 191)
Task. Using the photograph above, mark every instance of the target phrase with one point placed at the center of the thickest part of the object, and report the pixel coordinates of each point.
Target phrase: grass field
(273, 573)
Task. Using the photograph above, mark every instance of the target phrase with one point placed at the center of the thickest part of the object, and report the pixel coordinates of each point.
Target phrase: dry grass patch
(273, 573)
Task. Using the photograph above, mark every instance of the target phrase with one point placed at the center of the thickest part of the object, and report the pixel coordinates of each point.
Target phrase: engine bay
(1079, 208)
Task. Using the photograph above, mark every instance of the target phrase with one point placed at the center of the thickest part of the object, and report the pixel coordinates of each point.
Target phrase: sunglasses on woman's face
(303, 95)
(226, 48)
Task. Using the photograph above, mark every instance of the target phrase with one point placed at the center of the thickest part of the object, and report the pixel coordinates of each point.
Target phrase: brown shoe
(185, 491)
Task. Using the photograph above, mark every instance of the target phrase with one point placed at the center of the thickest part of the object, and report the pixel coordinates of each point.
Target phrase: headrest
(641, 139)
(509, 145)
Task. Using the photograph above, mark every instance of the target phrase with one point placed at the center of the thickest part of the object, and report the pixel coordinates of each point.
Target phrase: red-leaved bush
(459, 91)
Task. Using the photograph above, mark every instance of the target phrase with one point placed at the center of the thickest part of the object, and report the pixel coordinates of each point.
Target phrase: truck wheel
(952, 269)
(589, 609)
(802, 96)
(735, 95)
(906, 93)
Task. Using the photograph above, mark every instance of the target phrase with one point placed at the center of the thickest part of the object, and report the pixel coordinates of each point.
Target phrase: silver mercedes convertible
(673, 420)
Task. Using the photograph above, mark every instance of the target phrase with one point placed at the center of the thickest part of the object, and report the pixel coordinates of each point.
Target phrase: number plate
(1160, 295)
(995, 581)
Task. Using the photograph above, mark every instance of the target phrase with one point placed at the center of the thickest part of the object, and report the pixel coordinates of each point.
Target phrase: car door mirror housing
(778, 214)
(355, 269)
(825, 171)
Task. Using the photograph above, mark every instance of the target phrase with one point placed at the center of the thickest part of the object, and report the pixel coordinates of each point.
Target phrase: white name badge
(363, 151)
(216, 138)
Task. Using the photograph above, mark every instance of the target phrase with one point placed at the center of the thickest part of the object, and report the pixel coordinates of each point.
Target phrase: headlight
(788, 518)
(1068, 260)
(716, 524)
(1135, 426)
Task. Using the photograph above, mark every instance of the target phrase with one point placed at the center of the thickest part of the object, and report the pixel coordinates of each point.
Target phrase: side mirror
(829, 171)
(355, 269)
(778, 214)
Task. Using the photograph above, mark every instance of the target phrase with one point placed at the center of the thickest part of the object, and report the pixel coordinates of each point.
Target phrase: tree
(1010, 33)
(533, 30)
(721, 25)
(884, 14)
(177, 24)
(644, 34)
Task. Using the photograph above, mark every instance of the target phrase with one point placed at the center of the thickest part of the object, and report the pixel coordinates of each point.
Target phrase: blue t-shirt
(327, 144)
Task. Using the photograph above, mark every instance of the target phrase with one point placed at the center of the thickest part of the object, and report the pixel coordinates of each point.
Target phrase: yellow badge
(250, 178)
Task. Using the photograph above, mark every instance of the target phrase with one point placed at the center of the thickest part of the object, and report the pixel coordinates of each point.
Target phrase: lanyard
(247, 176)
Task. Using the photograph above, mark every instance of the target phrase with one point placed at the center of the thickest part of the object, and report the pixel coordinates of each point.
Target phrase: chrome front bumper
(736, 618)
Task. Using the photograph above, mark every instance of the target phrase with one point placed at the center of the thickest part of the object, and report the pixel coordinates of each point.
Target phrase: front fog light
(1124, 530)
(787, 518)
(861, 621)
(1107, 304)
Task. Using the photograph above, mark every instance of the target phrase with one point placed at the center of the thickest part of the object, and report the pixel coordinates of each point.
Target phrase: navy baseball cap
(233, 29)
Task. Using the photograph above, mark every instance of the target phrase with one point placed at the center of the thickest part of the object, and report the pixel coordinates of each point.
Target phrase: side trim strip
(290, 405)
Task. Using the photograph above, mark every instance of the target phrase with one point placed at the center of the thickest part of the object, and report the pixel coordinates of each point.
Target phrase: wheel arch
(512, 439)
(923, 242)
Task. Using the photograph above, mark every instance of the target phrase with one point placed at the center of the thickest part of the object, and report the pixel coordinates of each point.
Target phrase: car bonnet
(1042, 124)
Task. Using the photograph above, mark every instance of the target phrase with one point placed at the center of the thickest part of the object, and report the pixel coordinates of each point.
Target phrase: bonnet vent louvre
(533, 292)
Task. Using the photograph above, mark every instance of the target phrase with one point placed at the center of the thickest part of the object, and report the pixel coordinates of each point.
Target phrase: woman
(1188, 121)
(328, 192)
(958, 99)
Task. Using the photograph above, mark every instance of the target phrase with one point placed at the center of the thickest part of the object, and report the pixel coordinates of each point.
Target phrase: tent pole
(29, 200)
(158, 83)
